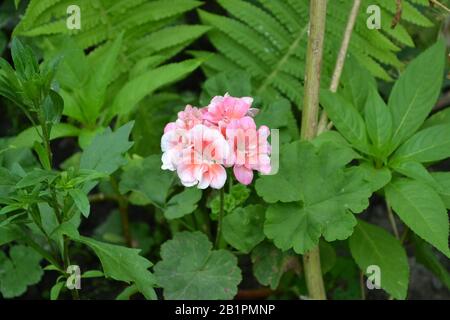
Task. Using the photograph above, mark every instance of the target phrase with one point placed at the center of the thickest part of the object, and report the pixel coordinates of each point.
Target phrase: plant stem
(123, 209)
(339, 67)
(362, 286)
(318, 12)
(437, 3)
(392, 220)
(219, 222)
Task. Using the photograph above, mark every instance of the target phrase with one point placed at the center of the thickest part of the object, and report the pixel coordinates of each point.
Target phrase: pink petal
(243, 174)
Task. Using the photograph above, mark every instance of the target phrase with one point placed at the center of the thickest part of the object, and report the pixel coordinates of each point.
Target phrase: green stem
(318, 11)
(219, 222)
(392, 220)
(123, 209)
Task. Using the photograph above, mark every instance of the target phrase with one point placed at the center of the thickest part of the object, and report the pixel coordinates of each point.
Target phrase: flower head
(203, 141)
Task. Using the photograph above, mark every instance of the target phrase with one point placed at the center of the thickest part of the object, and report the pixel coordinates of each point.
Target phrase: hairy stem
(219, 222)
(323, 123)
(318, 12)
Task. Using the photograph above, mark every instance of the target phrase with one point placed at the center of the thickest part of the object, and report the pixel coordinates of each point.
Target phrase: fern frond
(150, 25)
(268, 39)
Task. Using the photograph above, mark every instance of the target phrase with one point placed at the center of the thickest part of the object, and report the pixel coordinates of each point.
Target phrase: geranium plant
(250, 149)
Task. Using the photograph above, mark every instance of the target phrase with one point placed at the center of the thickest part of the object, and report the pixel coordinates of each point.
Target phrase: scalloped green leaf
(191, 270)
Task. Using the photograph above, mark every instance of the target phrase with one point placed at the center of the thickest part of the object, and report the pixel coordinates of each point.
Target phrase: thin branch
(318, 13)
(437, 3)
(339, 67)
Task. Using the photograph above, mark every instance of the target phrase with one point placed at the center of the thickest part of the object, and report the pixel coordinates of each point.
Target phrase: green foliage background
(82, 116)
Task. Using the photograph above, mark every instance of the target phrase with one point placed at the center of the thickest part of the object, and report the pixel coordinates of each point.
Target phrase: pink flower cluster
(202, 142)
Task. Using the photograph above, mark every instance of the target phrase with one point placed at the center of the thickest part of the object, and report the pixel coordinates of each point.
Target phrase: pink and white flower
(203, 140)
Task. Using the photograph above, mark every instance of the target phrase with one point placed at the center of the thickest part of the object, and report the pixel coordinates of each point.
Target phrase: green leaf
(145, 177)
(441, 117)
(73, 71)
(136, 89)
(372, 245)
(102, 76)
(35, 177)
(42, 155)
(56, 290)
(127, 293)
(19, 271)
(326, 194)
(430, 144)
(346, 119)
(415, 171)
(269, 264)
(357, 82)
(190, 269)
(236, 83)
(415, 93)
(24, 59)
(26, 138)
(52, 107)
(377, 178)
(9, 233)
(123, 264)
(182, 203)
(378, 121)
(92, 274)
(443, 179)
(81, 201)
(243, 228)
(278, 115)
(424, 255)
(327, 256)
(105, 153)
(421, 209)
(7, 182)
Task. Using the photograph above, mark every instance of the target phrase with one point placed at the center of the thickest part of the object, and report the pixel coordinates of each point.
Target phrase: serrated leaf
(183, 203)
(81, 201)
(146, 83)
(19, 271)
(236, 83)
(190, 269)
(123, 264)
(35, 177)
(346, 119)
(146, 177)
(322, 196)
(415, 171)
(415, 93)
(421, 209)
(378, 121)
(377, 178)
(428, 145)
(9, 233)
(105, 153)
(357, 83)
(371, 245)
(243, 228)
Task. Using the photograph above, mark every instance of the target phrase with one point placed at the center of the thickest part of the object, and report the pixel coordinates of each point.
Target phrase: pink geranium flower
(203, 140)
(250, 149)
(222, 110)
